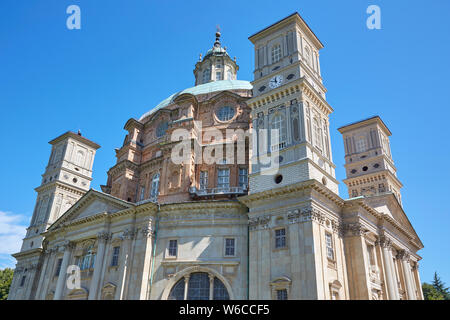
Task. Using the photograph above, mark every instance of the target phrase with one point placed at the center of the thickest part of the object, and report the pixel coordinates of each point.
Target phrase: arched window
(155, 186)
(79, 158)
(317, 134)
(276, 53)
(87, 260)
(161, 129)
(308, 56)
(278, 124)
(206, 75)
(198, 288)
(361, 144)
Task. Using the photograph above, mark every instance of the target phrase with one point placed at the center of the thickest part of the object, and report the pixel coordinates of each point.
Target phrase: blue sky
(130, 55)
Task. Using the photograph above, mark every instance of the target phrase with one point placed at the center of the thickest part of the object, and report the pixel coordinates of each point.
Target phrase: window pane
(173, 244)
(282, 294)
(229, 247)
(198, 288)
(220, 292)
(177, 292)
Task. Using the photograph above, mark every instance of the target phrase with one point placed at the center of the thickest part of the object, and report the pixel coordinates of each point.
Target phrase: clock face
(276, 81)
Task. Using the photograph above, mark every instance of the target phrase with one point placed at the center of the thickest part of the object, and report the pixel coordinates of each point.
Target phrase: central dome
(206, 88)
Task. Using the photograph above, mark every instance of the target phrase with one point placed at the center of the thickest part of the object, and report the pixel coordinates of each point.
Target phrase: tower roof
(76, 136)
(364, 122)
(281, 23)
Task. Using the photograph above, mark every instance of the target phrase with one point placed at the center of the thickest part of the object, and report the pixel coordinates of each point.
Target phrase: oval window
(225, 113)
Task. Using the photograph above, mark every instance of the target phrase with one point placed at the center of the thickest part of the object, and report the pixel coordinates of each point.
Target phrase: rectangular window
(203, 180)
(22, 281)
(370, 253)
(230, 247)
(218, 75)
(115, 257)
(280, 238)
(329, 243)
(223, 179)
(276, 53)
(58, 267)
(243, 178)
(282, 294)
(173, 247)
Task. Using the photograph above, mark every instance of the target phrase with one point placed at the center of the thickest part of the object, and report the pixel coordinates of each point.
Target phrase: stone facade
(230, 229)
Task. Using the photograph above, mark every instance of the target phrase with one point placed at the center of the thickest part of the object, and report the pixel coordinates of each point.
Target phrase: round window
(365, 168)
(278, 179)
(225, 113)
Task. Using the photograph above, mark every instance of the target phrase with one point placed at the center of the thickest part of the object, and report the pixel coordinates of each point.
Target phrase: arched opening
(199, 286)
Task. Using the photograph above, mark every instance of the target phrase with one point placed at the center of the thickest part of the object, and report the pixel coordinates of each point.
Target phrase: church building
(270, 226)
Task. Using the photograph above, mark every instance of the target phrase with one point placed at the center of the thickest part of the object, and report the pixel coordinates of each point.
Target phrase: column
(102, 238)
(385, 244)
(127, 236)
(48, 276)
(67, 248)
(404, 257)
(39, 290)
(211, 286)
(186, 286)
(415, 270)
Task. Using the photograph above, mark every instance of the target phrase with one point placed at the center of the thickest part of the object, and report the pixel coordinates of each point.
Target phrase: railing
(217, 191)
(278, 147)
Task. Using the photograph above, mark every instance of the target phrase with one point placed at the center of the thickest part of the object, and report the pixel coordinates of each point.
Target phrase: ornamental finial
(217, 43)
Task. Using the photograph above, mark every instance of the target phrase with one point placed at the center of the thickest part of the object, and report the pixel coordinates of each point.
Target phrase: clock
(276, 81)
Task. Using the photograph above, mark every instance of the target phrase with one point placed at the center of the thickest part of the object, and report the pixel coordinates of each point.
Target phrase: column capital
(354, 229)
(403, 255)
(66, 245)
(103, 236)
(147, 232)
(128, 234)
(384, 242)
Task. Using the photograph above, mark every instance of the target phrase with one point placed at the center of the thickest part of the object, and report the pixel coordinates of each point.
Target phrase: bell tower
(66, 179)
(369, 166)
(291, 140)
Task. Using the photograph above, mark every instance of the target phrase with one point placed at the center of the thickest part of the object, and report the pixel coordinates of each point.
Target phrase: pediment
(91, 204)
(389, 205)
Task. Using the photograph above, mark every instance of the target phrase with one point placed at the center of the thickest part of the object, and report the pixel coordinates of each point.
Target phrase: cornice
(311, 184)
(124, 164)
(62, 185)
(299, 85)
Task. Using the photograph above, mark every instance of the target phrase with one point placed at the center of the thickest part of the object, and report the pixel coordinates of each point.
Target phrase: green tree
(6, 276)
(430, 292)
(440, 287)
